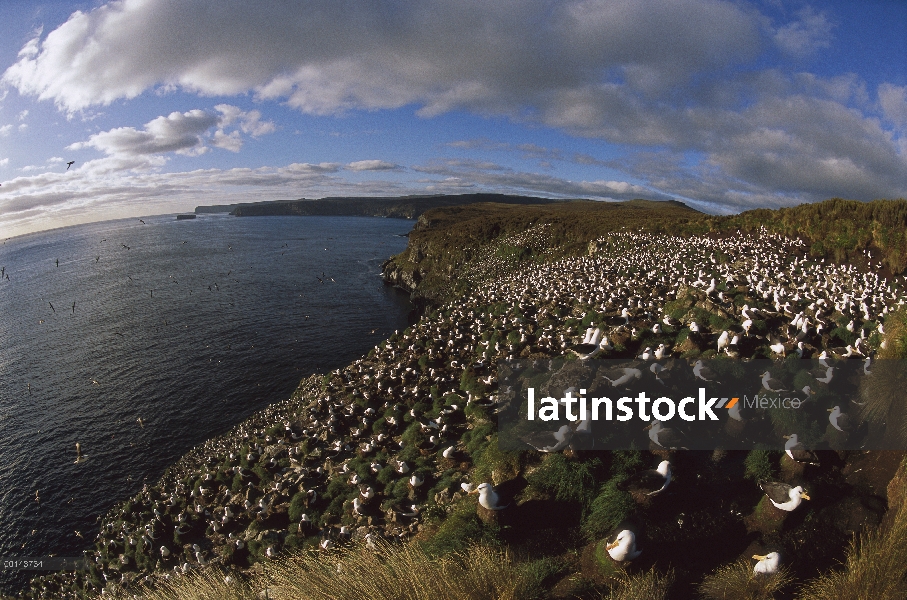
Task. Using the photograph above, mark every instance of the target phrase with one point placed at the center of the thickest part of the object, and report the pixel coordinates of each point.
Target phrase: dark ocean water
(236, 318)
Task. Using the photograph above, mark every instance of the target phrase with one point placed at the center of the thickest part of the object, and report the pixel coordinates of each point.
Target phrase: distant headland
(399, 207)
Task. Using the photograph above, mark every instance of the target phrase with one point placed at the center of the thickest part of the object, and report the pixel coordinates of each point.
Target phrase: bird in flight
(52, 308)
(142, 222)
(69, 164)
(73, 308)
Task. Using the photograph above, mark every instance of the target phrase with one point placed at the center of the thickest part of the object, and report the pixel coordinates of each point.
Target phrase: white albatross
(488, 498)
(623, 547)
(768, 563)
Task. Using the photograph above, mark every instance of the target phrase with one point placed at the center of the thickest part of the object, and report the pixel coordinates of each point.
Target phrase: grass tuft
(736, 581)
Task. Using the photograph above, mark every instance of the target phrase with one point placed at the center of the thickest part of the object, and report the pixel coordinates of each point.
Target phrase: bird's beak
(475, 491)
(757, 557)
(787, 437)
(611, 546)
(829, 410)
(647, 427)
(805, 496)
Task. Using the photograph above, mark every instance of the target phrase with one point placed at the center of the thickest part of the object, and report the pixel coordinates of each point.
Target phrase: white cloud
(176, 132)
(893, 99)
(5, 129)
(323, 57)
(372, 165)
(23, 114)
(491, 177)
(809, 33)
(183, 133)
(231, 142)
(4, 162)
(680, 76)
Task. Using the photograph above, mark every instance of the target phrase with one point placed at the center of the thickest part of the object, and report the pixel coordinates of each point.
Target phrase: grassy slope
(446, 241)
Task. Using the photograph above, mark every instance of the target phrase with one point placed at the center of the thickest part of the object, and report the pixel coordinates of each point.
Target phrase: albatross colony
(364, 450)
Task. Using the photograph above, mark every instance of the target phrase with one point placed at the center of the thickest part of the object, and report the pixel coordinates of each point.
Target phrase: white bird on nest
(651, 482)
(839, 420)
(700, 371)
(798, 452)
(623, 547)
(768, 563)
(488, 498)
(550, 441)
(771, 384)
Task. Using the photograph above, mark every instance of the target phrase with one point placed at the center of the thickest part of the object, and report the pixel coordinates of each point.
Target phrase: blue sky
(725, 105)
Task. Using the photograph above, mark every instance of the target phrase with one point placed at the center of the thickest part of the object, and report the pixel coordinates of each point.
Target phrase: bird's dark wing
(776, 490)
(645, 482)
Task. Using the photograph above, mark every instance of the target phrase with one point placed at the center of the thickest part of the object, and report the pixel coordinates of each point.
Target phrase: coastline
(345, 396)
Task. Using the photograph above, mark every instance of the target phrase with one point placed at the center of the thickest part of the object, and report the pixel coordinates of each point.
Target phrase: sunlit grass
(875, 569)
(736, 581)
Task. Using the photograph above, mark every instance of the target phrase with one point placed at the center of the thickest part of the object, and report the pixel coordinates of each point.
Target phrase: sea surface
(140, 341)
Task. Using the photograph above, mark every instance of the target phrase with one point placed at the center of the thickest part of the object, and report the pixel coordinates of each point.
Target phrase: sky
(723, 105)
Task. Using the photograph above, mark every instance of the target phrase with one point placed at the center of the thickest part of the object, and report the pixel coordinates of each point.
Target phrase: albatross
(550, 441)
(768, 563)
(651, 482)
(771, 384)
(664, 436)
(798, 452)
(623, 547)
(782, 495)
(488, 498)
(839, 420)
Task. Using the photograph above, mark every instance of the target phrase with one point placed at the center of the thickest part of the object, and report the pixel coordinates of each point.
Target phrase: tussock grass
(396, 573)
(735, 581)
(875, 569)
(649, 585)
(390, 573)
(882, 393)
(209, 584)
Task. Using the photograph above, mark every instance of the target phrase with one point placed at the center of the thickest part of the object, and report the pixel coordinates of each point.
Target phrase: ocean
(140, 341)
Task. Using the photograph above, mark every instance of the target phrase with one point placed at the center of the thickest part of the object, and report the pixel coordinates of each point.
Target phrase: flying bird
(69, 164)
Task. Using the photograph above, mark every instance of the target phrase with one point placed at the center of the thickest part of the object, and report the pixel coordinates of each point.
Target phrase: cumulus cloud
(372, 165)
(183, 133)
(804, 36)
(322, 57)
(5, 129)
(893, 99)
(648, 75)
(459, 174)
